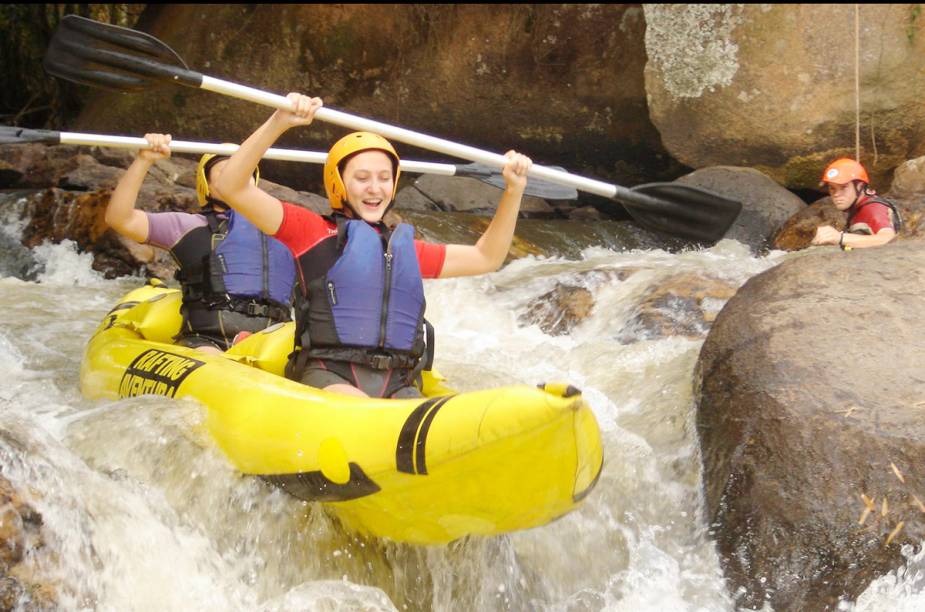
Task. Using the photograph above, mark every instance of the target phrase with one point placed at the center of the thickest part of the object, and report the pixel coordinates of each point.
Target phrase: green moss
(914, 11)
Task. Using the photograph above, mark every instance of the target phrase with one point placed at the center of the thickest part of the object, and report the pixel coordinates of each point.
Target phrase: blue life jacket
(232, 265)
(369, 306)
(248, 263)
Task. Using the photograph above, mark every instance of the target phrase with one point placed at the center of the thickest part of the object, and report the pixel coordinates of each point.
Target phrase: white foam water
(141, 511)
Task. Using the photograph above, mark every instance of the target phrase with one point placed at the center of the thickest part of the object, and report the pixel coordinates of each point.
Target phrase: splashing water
(141, 511)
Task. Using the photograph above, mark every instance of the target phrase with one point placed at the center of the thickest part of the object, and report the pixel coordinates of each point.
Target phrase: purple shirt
(166, 229)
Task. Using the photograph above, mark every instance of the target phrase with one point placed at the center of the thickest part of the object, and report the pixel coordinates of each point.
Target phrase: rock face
(766, 206)
(773, 86)
(810, 400)
(563, 83)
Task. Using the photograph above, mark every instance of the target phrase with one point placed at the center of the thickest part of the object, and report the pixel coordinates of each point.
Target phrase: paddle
(535, 187)
(117, 58)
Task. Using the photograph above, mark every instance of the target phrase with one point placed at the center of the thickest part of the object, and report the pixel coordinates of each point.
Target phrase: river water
(142, 512)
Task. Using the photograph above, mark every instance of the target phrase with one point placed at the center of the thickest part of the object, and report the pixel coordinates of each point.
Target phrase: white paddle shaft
(183, 146)
(431, 143)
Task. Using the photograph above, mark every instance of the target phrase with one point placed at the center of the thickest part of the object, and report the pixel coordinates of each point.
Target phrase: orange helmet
(345, 147)
(844, 170)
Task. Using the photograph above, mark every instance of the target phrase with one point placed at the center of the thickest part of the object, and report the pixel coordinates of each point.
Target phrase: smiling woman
(360, 313)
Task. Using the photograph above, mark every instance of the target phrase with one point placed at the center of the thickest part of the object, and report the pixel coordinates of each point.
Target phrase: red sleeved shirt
(302, 229)
(871, 218)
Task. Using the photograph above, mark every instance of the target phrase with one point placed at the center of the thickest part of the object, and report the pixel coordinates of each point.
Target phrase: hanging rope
(857, 82)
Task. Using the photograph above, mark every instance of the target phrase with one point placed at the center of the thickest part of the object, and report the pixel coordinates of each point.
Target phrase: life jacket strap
(373, 359)
(897, 218)
(251, 308)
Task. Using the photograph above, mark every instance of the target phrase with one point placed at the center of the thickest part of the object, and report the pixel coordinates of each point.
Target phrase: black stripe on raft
(404, 457)
(123, 306)
(407, 439)
(314, 486)
(420, 464)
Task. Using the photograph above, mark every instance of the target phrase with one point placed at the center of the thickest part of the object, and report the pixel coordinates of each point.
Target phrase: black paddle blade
(688, 212)
(535, 187)
(17, 135)
(112, 57)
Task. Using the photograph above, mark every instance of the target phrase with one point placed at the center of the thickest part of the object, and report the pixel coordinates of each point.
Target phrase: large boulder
(563, 83)
(766, 206)
(809, 393)
(772, 86)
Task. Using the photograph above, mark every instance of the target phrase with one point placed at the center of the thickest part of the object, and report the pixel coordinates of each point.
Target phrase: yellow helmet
(345, 147)
(202, 175)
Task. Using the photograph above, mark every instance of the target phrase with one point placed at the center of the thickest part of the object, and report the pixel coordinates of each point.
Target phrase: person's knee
(344, 389)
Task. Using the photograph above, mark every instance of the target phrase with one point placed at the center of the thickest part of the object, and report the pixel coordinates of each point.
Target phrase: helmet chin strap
(349, 211)
(859, 188)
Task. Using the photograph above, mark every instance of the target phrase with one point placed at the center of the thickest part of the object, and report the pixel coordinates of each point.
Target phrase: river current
(141, 511)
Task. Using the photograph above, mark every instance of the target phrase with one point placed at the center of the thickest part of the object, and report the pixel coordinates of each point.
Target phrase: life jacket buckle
(254, 309)
(379, 361)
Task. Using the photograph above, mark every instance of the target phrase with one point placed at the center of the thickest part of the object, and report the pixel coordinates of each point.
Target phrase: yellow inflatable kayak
(426, 471)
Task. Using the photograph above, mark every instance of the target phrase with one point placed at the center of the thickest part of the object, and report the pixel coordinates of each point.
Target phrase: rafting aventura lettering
(156, 372)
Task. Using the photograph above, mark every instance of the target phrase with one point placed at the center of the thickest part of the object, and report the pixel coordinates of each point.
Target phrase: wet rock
(9, 175)
(809, 394)
(17, 260)
(765, 204)
(20, 537)
(464, 194)
(558, 311)
(769, 86)
(89, 174)
(56, 215)
(798, 231)
(681, 305)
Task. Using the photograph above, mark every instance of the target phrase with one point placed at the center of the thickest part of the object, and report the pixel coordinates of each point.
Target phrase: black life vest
(897, 218)
(229, 264)
(363, 298)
